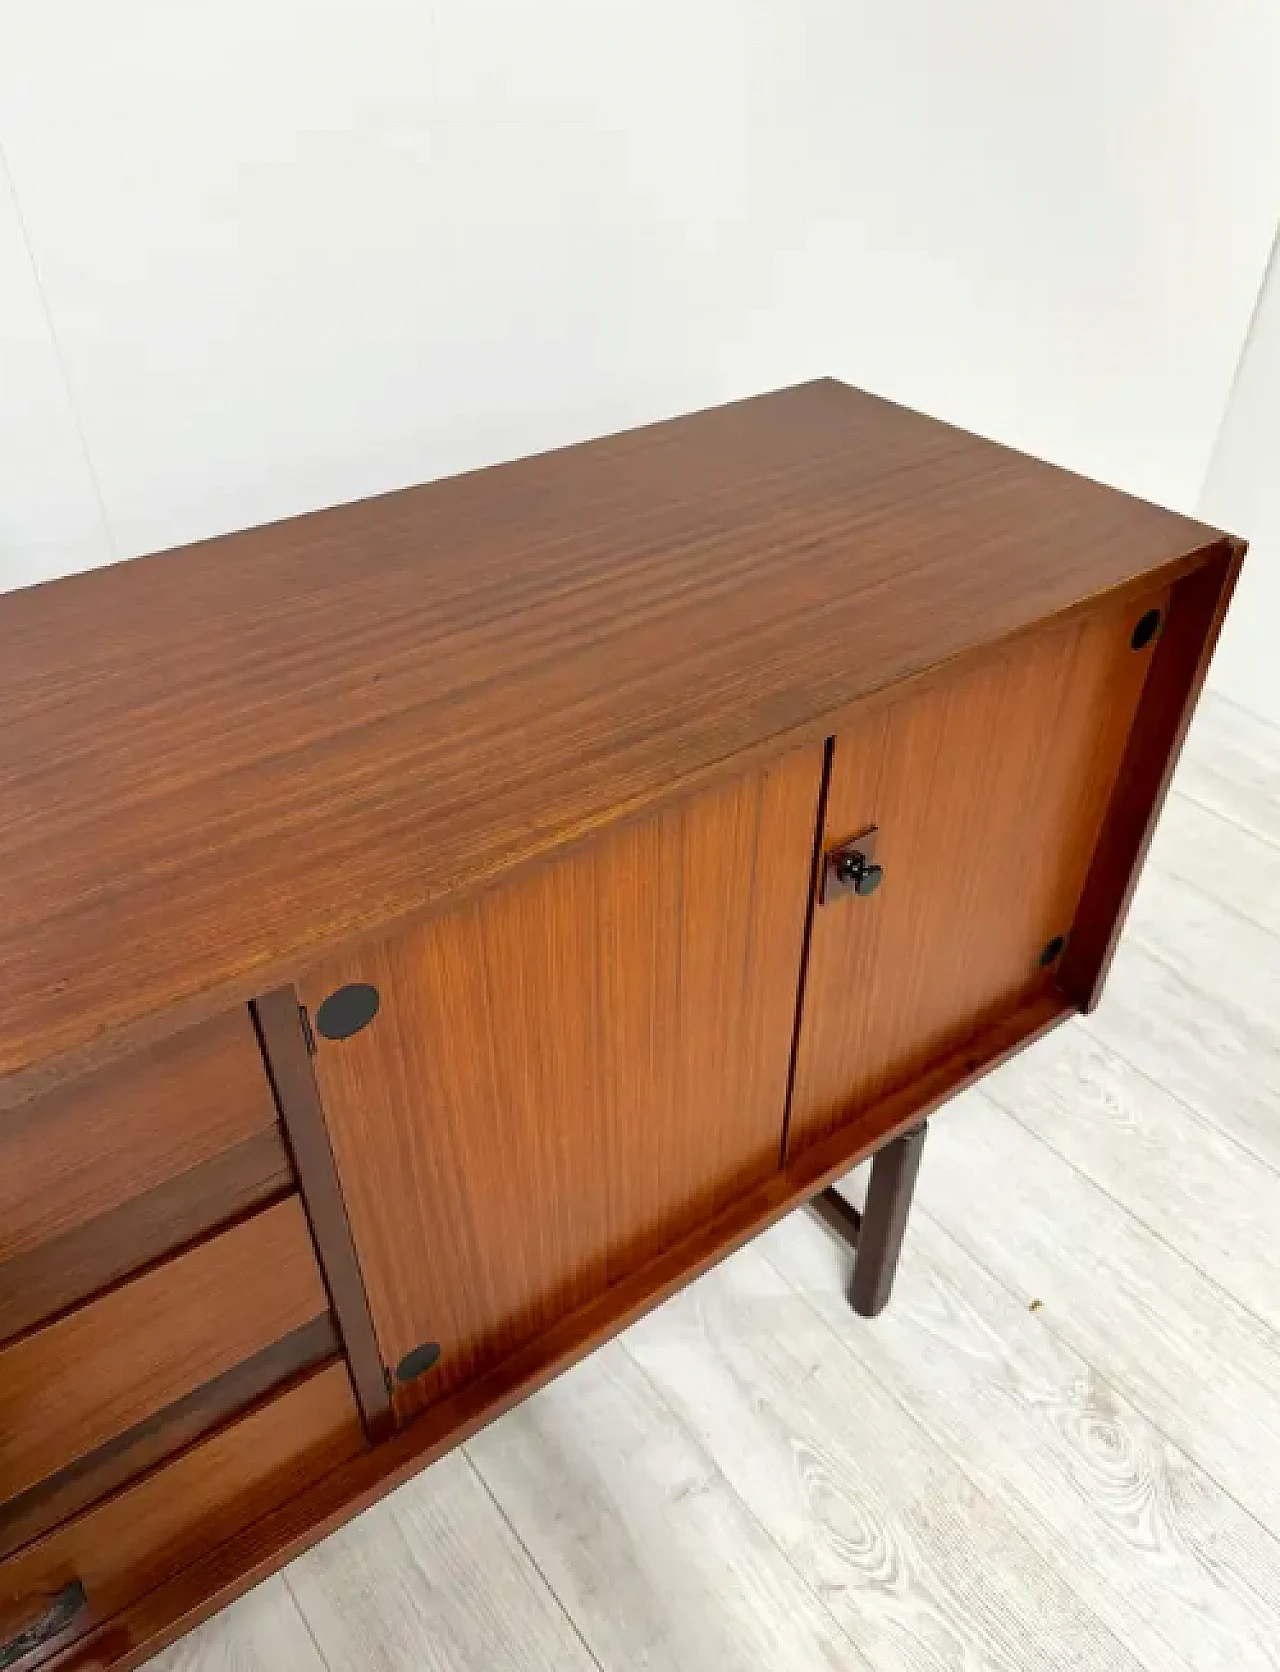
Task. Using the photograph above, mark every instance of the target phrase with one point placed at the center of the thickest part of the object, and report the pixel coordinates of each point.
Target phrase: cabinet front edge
(45, 1069)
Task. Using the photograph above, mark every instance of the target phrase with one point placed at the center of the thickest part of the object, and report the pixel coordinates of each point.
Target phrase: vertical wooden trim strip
(278, 1017)
(815, 881)
(1196, 610)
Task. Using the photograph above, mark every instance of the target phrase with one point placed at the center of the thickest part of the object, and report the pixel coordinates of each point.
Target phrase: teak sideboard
(436, 928)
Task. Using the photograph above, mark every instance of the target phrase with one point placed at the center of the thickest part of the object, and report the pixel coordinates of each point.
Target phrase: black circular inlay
(414, 1363)
(348, 1010)
(1147, 628)
(1053, 951)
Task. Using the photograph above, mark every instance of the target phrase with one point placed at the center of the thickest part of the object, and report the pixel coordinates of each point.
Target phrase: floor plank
(1231, 763)
(1232, 960)
(922, 1568)
(1179, 1572)
(1233, 866)
(1198, 1190)
(1217, 1061)
(655, 1557)
(433, 1578)
(263, 1632)
(1193, 1360)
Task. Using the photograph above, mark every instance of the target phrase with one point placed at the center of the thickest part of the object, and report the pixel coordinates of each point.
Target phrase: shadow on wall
(1242, 492)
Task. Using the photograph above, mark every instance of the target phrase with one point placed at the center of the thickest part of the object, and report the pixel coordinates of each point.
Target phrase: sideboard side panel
(988, 790)
(570, 1071)
(1197, 605)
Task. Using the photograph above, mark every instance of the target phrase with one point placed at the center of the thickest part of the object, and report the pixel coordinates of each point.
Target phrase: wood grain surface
(693, 1580)
(445, 1538)
(1245, 877)
(987, 791)
(1231, 765)
(1193, 1185)
(571, 1072)
(1216, 1051)
(920, 1565)
(1236, 960)
(152, 1529)
(1192, 619)
(311, 730)
(112, 1136)
(1074, 1365)
(257, 1551)
(1183, 1577)
(137, 1450)
(262, 1632)
(78, 1383)
(87, 1258)
(1216, 1060)
(1183, 1349)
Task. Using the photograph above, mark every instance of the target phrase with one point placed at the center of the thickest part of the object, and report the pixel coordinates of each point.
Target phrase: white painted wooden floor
(1059, 1449)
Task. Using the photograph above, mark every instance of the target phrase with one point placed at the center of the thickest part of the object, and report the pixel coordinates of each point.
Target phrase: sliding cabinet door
(567, 1073)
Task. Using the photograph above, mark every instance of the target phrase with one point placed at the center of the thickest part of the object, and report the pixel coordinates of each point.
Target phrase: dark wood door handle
(59, 1611)
(852, 868)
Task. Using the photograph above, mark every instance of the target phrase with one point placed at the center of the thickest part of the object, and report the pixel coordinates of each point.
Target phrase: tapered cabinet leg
(884, 1221)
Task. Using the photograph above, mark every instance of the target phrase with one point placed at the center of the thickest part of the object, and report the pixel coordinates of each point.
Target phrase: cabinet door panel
(987, 789)
(570, 1071)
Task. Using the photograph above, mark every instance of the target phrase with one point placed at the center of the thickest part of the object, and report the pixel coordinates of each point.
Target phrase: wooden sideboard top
(219, 761)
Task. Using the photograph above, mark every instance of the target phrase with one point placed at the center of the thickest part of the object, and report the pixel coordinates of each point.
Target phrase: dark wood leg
(884, 1221)
(876, 1234)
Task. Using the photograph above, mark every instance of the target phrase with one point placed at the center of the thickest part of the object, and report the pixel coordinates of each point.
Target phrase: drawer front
(105, 1559)
(986, 790)
(121, 1167)
(96, 1375)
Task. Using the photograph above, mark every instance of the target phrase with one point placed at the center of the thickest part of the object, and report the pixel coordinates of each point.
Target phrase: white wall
(50, 517)
(1242, 493)
(294, 251)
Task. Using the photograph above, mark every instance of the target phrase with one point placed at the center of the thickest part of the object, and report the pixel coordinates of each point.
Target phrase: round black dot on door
(418, 1361)
(1147, 628)
(347, 1010)
(1053, 951)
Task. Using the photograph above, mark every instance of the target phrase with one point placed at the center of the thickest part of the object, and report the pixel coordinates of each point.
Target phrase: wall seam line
(1270, 275)
(60, 358)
